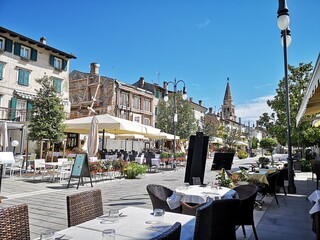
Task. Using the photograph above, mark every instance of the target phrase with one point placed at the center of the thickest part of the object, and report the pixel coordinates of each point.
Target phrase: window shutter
(26, 78)
(8, 45)
(51, 60)
(1, 71)
(20, 76)
(17, 49)
(34, 54)
(13, 108)
(64, 65)
(29, 108)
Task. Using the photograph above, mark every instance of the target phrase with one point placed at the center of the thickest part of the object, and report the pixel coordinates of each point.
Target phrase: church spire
(228, 111)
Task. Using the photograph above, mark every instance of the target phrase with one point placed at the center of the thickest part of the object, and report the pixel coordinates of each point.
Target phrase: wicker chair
(247, 195)
(224, 214)
(315, 169)
(282, 176)
(190, 208)
(84, 206)
(158, 195)
(14, 223)
(173, 233)
(202, 229)
(271, 189)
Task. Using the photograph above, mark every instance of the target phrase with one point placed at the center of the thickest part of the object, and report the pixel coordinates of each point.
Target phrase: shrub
(226, 149)
(242, 154)
(305, 165)
(134, 169)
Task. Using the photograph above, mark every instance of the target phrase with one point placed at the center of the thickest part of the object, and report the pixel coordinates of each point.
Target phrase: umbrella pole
(102, 143)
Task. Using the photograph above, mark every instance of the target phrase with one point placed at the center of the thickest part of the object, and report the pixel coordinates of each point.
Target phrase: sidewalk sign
(80, 169)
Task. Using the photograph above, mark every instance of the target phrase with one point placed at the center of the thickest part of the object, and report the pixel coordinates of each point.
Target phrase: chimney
(141, 82)
(240, 120)
(200, 102)
(43, 40)
(210, 110)
(191, 99)
(94, 69)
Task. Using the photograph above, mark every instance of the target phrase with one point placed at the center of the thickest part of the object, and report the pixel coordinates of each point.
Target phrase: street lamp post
(175, 115)
(250, 137)
(283, 24)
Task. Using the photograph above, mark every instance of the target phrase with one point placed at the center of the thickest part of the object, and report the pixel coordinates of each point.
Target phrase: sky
(202, 43)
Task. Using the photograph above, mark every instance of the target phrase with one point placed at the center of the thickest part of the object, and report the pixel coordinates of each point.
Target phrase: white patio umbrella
(3, 136)
(93, 138)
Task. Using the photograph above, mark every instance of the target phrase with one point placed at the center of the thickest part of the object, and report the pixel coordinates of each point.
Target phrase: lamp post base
(292, 189)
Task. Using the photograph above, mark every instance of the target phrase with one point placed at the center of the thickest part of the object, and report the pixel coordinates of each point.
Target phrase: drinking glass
(186, 185)
(109, 234)
(114, 215)
(158, 214)
(47, 234)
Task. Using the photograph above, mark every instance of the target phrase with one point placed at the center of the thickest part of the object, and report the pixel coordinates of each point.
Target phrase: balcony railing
(16, 115)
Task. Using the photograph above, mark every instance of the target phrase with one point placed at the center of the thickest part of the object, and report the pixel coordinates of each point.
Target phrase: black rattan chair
(315, 169)
(158, 195)
(247, 195)
(14, 223)
(282, 176)
(202, 229)
(84, 206)
(271, 188)
(223, 221)
(173, 233)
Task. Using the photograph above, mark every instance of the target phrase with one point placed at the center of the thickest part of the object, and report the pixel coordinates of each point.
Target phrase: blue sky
(201, 42)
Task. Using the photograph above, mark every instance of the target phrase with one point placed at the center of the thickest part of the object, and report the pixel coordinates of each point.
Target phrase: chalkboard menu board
(80, 169)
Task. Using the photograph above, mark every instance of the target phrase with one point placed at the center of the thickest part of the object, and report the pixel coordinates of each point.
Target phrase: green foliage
(268, 143)
(47, 113)
(186, 125)
(263, 161)
(276, 123)
(164, 155)
(134, 169)
(255, 142)
(223, 179)
(226, 150)
(305, 165)
(230, 136)
(242, 154)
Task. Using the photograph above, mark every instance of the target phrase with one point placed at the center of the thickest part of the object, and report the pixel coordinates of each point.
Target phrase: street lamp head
(166, 98)
(283, 15)
(288, 37)
(14, 143)
(184, 93)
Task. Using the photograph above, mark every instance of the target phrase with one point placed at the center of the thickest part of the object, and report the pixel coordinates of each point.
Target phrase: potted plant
(133, 169)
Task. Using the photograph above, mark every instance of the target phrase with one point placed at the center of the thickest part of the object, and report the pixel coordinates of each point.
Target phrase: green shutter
(34, 54)
(1, 71)
(20, 76)
(29, 108)
(64, 65)
(26, 78)
(17, 49)
(13, 108)
(8, 45)
(51, 60)
(23, 77)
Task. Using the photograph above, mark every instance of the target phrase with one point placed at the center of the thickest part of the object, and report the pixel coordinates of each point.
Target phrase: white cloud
(204, 24)
(254, 109)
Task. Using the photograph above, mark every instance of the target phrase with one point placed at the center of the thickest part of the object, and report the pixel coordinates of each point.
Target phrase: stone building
(91, 93)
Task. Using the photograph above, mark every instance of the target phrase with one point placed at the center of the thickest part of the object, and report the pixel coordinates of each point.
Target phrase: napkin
(174, 200)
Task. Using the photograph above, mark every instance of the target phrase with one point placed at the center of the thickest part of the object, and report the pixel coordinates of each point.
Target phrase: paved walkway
(47, 201)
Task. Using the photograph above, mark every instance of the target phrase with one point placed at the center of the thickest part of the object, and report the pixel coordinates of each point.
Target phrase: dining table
(133, 223)
(261, 174)
(199, 193)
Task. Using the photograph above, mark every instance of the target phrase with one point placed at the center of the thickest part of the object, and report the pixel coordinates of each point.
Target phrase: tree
(268, 144)
(47, 113)
(186, 125)
(208, 128)
(276, 123)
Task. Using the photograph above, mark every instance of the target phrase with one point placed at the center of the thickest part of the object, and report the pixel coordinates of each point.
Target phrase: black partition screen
(197, 155)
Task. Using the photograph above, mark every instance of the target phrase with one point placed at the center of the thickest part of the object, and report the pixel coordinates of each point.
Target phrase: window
(1, 70)
(136, 102)
(146, 121)
(156, 111)
(157, 94)
(57, 84)
(1, 43)
(24, 52)
(21, 109)
(57, 63)
(23, 77)
(124, 99)
(147, 105)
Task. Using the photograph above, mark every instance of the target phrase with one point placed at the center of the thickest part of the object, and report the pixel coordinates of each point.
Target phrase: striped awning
(311, 102)
(24, 95)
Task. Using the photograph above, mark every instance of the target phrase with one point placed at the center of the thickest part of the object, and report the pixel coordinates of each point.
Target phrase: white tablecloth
(197, 194)
(314, 198)
(131, 225)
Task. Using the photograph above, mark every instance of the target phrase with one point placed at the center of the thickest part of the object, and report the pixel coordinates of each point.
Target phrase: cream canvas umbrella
(93, 138)
(3, 136)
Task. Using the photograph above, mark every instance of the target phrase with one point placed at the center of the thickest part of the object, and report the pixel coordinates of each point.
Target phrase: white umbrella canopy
(111, 124)
(163, 135)
(130, 136)
(93, 138)
(4, 136)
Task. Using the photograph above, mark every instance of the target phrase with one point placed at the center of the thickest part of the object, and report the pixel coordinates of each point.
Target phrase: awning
(24, 95)
(311, 102)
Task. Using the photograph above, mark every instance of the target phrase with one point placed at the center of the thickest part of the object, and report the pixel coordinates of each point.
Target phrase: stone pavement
(47, 201)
